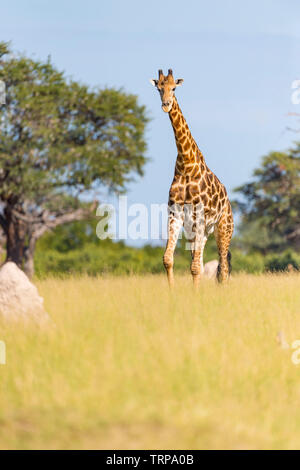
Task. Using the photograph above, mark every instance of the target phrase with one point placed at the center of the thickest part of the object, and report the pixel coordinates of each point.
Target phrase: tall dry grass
(127, 365)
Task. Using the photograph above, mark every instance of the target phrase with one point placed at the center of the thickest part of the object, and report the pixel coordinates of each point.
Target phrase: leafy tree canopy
(60, 139)
(270, 204)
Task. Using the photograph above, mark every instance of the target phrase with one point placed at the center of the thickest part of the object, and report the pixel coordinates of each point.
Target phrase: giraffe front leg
(175, 222)
(197, 258)
(195, 229)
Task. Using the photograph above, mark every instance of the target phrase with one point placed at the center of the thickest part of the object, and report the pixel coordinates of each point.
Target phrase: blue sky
(238, 60)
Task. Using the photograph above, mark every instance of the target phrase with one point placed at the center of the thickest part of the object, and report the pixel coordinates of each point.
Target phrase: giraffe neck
(188, 151)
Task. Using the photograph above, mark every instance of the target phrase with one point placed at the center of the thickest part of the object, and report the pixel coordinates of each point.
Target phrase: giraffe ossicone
(197, 199)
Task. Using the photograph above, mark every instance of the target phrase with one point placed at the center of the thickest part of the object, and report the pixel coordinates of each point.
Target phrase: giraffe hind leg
(223, 234)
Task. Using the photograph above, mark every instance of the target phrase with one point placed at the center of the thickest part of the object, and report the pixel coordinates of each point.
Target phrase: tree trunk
(15, 240)
(22, 232)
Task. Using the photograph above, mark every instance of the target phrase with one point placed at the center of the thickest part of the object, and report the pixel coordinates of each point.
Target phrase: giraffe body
(197, 199)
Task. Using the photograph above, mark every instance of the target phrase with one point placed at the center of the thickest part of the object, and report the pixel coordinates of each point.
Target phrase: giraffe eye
(173, 89)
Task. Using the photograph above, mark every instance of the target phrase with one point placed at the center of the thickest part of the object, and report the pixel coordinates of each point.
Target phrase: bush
(283, 261)
(75, 249)
(250, 263)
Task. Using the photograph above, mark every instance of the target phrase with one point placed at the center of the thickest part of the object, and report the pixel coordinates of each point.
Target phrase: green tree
(270, 204)
(59, 141)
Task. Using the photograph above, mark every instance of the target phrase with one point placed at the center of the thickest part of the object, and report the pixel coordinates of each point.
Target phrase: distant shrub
(94, 257)
(282, 261)
(103, 259)
(250, 263)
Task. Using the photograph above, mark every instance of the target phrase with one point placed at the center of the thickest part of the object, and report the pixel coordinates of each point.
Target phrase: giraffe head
(166, 85)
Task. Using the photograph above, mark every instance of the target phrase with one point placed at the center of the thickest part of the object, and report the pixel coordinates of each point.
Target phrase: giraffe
(197, 199)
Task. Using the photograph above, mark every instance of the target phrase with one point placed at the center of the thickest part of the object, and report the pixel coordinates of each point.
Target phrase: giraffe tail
(229, 261)
(229, 265)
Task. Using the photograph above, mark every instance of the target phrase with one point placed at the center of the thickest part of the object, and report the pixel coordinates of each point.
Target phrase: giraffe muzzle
(166, 106)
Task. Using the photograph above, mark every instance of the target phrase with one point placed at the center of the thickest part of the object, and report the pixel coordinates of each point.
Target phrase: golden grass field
(127, 365)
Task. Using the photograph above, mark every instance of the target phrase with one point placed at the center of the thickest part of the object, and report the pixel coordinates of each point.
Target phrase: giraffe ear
(179, 81)
(153, 82)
